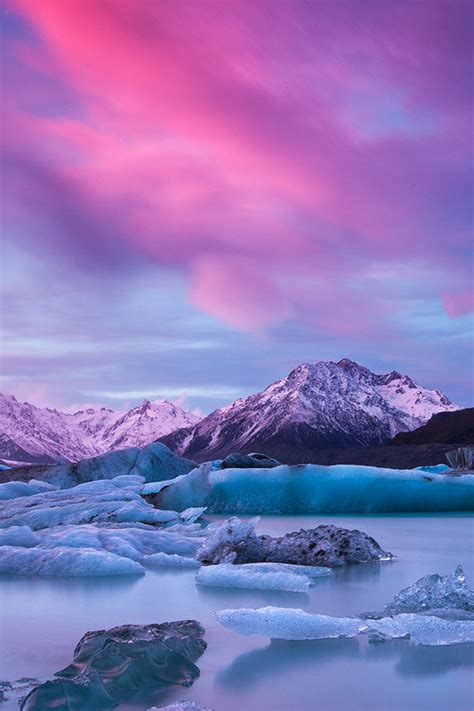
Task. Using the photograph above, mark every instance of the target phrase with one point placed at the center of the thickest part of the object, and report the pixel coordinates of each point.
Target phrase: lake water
(43, 619)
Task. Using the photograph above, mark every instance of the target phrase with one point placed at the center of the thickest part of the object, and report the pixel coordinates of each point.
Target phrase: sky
(198, 196)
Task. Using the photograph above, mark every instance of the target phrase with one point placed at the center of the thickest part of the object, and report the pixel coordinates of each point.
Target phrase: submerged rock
(249, 461)
(433, 592)
(110, 666)
(236, 541)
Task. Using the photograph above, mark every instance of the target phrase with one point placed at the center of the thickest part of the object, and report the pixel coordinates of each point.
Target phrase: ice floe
(289, 623)
(181, 706)
(261, 576)
(14, 489)
(98, 528)
(442, 614)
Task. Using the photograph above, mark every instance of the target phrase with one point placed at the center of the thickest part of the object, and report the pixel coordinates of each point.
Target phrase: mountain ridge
(46, 435)
(317, 405)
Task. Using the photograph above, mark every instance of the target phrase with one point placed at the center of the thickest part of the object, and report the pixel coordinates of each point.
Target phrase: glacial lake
(41, 620)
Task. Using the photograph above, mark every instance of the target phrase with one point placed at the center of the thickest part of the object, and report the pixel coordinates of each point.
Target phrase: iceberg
(14, 489)
(428, 630)
(289, 623)
(311, 488)
(433, 592)
(170, 560)
(295, 624)
(71, 562)
(153, 462)
(97, 528)
(110, 666)
(261, 576)
(181, 706)
(434, 627)
(236, 541)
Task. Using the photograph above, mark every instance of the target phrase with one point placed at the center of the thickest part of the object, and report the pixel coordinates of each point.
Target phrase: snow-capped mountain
(319, 405)
(34, 434)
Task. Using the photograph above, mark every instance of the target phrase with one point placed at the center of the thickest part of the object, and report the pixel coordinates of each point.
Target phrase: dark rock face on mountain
(455, 428)
(316, 406)
(329, 546)
(384, 455)
(112, 666)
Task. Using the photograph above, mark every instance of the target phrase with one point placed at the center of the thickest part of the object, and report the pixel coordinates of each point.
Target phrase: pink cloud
(253, 145)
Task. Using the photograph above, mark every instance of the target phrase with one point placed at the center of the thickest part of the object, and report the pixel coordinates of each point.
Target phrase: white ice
(289, 623)
(295, 624)
(15, 489)
(97, 528)
(427, 630)
(261, 576)
(181, 706)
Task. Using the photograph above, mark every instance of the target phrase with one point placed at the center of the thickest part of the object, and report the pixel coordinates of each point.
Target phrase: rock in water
(235, 541)
(434, 592)
(110, 666)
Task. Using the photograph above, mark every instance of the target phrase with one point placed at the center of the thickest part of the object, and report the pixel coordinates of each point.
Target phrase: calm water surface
(41, 620)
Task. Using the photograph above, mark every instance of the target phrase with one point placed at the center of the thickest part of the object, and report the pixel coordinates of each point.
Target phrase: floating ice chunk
(96, 528)
(312, 488)
(181, 706)
(170, 560)
(18, 536)
(65, 561)
(432, 592)
(427, 630)
(116, 500)
(15, 489)
(261, 576)
(288, 623)
(236, 576)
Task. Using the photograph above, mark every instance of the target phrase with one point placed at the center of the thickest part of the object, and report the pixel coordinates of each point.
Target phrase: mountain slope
(320, 405)
(443, 427)
(34, 434)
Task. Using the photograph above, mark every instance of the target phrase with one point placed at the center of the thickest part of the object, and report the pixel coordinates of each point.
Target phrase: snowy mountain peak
(46, 434)
(317, 405)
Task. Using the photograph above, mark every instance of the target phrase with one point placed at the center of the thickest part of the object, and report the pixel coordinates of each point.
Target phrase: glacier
(310, 488)
(262, 576)
(97, 528)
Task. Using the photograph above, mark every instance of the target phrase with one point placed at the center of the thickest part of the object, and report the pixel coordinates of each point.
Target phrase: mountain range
(318, 405)
(45, 435)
